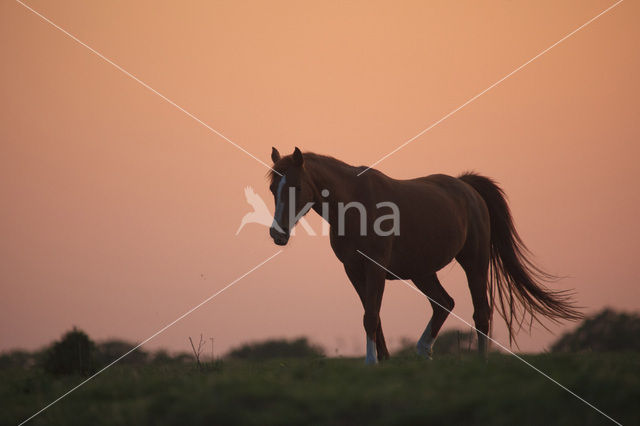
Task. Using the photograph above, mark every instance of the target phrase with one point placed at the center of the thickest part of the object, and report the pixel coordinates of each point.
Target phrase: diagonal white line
(142, 83)
(154, 335)
(496, 342)
(422, 132)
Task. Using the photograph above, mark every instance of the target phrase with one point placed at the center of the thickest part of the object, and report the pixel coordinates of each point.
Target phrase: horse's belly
(427, 249)
(414, 266)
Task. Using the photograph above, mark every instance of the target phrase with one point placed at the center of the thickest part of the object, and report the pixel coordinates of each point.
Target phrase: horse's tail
(517, 281)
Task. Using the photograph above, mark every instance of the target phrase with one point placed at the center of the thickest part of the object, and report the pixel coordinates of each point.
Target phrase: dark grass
(450, 390)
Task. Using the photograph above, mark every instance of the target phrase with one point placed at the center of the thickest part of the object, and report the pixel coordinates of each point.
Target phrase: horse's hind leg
(477, 276)
(381, 345)
(441, 303)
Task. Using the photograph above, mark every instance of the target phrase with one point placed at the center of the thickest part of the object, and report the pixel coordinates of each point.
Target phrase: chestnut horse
(440, 218)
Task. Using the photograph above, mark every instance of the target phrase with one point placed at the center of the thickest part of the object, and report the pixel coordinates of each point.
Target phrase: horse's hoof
(424, 352)
(370, 361)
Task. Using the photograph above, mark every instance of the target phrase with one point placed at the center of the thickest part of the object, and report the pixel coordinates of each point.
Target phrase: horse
(438, 218)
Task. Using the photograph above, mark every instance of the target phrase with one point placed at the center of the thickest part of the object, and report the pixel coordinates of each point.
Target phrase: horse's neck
(338, 179)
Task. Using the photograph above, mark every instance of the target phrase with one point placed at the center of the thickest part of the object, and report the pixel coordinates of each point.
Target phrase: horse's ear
(297, 157)
(275, 155)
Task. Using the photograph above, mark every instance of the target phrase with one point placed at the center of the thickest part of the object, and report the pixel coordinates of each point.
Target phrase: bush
(606, 331)
(110, 350)
(163, 357)
(280, 348)
(17, 359)
(74, 353)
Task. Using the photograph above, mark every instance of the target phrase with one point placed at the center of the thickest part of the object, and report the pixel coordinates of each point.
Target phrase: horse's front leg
(357, 278)
(375, 280)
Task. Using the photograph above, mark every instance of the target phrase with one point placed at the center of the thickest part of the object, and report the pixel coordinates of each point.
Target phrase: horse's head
(292, 193)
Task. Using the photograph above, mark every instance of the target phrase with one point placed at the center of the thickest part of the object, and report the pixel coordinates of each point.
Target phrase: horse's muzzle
(279, 238)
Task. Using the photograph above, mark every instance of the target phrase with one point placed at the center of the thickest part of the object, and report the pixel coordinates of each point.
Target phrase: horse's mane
(313, 161)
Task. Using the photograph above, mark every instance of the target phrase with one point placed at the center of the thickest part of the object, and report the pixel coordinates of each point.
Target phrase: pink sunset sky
(119, 212)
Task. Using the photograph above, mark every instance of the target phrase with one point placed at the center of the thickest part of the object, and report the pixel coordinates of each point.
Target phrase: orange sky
(119, 212)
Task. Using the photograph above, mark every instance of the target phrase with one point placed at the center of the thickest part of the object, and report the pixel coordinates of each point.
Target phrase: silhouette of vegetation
(455, 388)
(164, 357)
(74, 353)
(449, 390)
(110, 350)
(606, 331)
(19, 359)
(277, 348)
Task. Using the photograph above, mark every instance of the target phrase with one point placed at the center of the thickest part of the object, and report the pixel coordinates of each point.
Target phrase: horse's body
(441, 218)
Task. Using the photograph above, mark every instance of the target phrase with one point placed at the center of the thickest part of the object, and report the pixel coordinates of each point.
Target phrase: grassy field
(448, 390)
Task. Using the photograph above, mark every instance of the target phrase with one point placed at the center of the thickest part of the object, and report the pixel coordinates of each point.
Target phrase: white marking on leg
(425, 344)
(371, 352)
